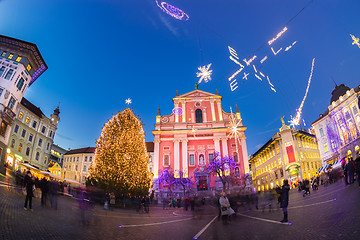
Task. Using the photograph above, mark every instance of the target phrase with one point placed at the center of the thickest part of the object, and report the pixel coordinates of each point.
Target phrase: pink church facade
(185, 141)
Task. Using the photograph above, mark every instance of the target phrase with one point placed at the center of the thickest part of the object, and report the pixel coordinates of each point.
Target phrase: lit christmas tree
(121, 161)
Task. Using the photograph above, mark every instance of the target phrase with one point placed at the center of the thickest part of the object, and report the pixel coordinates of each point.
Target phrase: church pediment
(197, 94)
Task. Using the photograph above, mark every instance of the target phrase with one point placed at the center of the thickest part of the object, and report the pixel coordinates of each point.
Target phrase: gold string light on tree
(121, 160)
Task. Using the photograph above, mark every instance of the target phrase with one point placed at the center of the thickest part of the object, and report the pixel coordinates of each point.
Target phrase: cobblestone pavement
(332, 212)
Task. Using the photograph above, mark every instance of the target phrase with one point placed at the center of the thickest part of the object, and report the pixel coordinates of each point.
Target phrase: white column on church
(225, 147)
(212, 110)
(183, 111)
(219, 110)
(245, 155)
(176, 158)
(156, 158)
(217, 145)
(204, 114)
(185, 169)
(176, 115)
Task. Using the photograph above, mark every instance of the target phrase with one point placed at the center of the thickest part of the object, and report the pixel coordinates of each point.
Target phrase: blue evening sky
(101, 52)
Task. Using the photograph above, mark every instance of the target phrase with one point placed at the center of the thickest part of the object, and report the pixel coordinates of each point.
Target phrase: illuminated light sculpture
(235, 61)
(275, 53)
(235, 73)
(262, 74)
(177, 111)
(277, 36)
(233, 85)
(205, 73)
(296, 120)
(233, 52)
(263, 60)
(173, 11)
(128, 101)
(271, 85)
(258, 77)
(355, 40)
(245, 76)
(287, 48)
(254, 68)
(250, 60)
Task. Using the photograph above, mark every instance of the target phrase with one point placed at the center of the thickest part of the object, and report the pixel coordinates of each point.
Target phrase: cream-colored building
(290, 154)
(31, 136)
(338, 128)
(77, 163)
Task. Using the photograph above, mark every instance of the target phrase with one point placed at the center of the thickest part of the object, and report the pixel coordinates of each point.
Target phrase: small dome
(338, 92)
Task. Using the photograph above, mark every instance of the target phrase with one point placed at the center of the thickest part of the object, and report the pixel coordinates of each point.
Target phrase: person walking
(284, 199)
(357, 167)
(226, 210)
(44, 186)
(54, 189)
(345, 168)
(29, 184)
(351, 170)
(112, 201)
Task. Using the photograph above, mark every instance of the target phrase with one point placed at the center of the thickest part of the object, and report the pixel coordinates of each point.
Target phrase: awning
(72, 181)
(51, 175)
(28, 166)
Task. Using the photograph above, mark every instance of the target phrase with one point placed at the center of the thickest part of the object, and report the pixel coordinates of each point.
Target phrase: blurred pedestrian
(357, 167)
(112, 201)
(345, 168)
(351, 170)
(284, 197)
(29, 186)
(54, 189)
(147, 204)
(44, 187)
(226, 210)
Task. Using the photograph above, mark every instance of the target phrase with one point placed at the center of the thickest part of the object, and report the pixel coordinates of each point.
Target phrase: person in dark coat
(284, 197)
(44, 186)
(29, 184)
(351, 170)
(345, 168)
(357, 167)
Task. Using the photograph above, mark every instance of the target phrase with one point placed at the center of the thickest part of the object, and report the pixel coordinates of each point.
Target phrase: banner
(290, 153)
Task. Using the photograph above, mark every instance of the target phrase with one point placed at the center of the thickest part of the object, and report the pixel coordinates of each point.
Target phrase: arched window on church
(198, 116)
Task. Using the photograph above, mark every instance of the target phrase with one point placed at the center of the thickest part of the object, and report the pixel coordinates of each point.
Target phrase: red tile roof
(81, 150)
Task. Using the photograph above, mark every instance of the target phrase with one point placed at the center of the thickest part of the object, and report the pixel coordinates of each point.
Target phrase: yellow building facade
(290, 154)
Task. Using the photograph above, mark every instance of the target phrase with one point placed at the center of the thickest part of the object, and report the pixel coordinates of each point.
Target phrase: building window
(50, 135)
(21, 115)
(201, 159)
(8, 74)
(47, 147)
(20, 84)
(76, 167)
(20, 147)
(77, 159)
(40, 142)
(321, 132)
(198, 116)
(90, 159)
(192, 160)
(1, 91)
(12, 143)
(85, 158)
(43, 129)
(18, 59)
(84, 168)
(2, 70)
(326, 149)
(11, 103)
(37, 156)
(10, 56)
(3, 54)
(45, 160)
(23, 133)
(235, 155)
(237, 172)
(83, 178)
(28, 67)
(166, 160)
(30, 137)
(354, 107)
(27, 151)
(211, 157)
(16, 129)
(27, 120)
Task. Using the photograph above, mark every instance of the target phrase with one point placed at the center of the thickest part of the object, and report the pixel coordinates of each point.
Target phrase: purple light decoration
(37, 73)
(173, 11)
(177, 111)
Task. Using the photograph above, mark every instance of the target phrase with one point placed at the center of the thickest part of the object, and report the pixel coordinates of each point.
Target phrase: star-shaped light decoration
(355, 40)
(128, 101)
(234, 127)
(205, 73)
